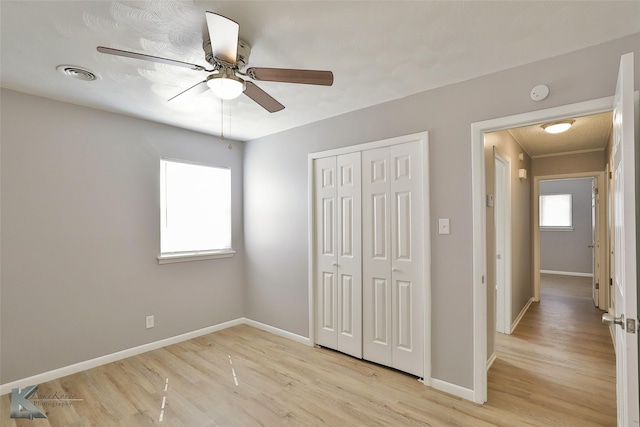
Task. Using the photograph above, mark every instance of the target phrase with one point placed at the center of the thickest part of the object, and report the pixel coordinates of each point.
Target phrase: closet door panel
(326, 300)
(349, 254)
(404, 324)
(406, 264)
(376, 256)
(381, 305)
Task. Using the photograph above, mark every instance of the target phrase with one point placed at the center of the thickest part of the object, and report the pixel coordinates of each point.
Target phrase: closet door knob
(335, 264)
(394, 269)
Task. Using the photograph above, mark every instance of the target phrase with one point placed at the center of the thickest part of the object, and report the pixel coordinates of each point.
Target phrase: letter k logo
(21, 407)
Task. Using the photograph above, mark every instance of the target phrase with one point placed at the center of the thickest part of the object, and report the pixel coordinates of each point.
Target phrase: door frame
(601, 218)
(504, 292)
(423, 138)
(479, 192)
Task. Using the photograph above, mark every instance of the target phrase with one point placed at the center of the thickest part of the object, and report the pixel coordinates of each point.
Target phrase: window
(195, 204)
(556, 212)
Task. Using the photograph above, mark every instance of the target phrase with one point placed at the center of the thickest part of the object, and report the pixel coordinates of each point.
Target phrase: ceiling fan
(228, 56)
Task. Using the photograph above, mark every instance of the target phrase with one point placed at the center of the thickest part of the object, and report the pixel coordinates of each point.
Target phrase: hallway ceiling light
(558, 127)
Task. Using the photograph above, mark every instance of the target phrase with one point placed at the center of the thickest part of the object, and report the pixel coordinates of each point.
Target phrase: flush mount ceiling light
(558, 127)
(225, 84)
(78, 73)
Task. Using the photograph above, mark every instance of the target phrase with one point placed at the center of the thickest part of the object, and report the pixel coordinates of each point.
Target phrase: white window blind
(556, 211)
(195, 203)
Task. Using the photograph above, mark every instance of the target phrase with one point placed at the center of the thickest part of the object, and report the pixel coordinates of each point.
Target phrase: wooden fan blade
(127, 54)
(199, 88)
(223, 33)
(309, 77)
(262, 98)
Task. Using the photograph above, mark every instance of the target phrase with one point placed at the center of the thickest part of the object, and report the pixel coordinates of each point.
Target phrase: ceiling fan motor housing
(244, 50)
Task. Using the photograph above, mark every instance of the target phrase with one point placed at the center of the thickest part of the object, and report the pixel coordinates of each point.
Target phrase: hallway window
(556, 212)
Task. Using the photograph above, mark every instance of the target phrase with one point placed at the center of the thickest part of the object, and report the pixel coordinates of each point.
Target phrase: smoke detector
(539, 93)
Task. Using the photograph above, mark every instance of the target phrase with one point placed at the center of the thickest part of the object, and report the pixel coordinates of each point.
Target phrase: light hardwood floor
(560, 358)
(556, 370)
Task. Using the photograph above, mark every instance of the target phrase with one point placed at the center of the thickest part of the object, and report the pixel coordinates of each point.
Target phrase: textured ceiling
(378, 51)
(588, 133)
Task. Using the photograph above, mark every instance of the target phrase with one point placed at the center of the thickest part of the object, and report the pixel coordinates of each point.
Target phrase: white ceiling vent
(77, 72)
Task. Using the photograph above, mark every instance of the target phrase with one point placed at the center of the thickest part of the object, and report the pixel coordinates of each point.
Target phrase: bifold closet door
(338, 243)
(392, 209)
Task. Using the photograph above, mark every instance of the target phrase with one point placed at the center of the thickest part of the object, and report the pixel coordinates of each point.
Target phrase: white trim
(452, 389)
(479, 263)
(370, 145)
(492, 359)
(277, 331)
(423, 137)
(310, 250)
(521, 315)
(113, 357)
(569, 153)
(556, 228)
(170, 258)
(566, 273)
(426, 258)
(478, 184)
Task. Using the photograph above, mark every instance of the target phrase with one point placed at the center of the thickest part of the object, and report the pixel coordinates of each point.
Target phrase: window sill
(556, 228)
(194, 256)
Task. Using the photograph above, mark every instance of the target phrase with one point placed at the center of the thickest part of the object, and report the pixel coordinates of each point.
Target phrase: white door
(376, 256)
(595, 292)
(393, 319)
(325, 195)
(625, 267)
(611, 239)
(502, 221)
(338, 292)
(349, 273)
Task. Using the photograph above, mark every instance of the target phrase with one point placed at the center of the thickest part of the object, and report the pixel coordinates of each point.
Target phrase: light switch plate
(443, 226)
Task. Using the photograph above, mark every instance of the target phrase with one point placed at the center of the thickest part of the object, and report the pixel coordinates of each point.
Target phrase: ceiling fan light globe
(226, 86)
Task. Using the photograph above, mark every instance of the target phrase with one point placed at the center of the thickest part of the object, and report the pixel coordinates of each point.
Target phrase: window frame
(194, 255)
(550, 227)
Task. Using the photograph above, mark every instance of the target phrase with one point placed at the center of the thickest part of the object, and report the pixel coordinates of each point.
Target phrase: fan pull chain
(222, 123)
(222, 119)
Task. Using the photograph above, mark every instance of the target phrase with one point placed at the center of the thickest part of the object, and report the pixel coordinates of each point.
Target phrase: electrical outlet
(150, 321)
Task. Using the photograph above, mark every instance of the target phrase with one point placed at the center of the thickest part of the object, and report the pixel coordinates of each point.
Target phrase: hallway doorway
(483, 347)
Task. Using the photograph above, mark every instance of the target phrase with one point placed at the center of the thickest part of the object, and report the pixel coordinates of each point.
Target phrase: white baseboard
(452, 389)
(566, 273)
(277, 331)
(522, 312)
(113, 357)
(491, 360)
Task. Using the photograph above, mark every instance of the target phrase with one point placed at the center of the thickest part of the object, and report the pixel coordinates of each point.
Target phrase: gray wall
(521, 227)
(276, 188)
(568, 251)
(80, 235)
(569, 163)
(80, 216)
